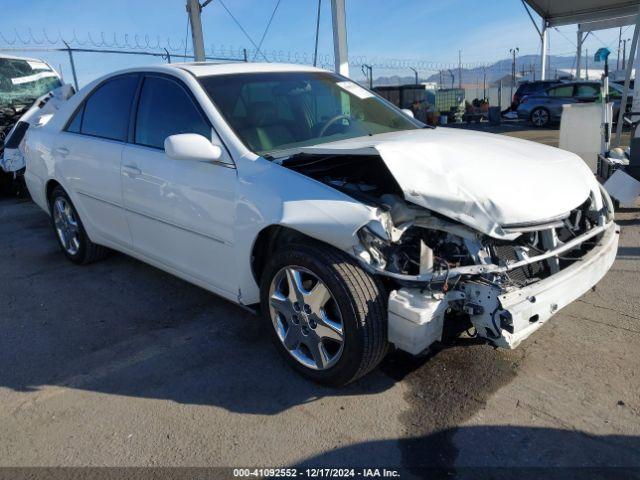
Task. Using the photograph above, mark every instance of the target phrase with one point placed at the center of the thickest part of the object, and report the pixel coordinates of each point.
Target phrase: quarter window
(106, 111)
(166, 109)
(74, 125)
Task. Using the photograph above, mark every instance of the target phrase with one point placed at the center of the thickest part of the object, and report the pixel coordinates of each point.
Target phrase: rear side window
(585, 90)
(106, 111)
(562, 91)
(166, 109)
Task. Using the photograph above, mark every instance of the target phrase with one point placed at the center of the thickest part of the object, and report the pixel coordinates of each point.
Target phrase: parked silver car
(545, 107)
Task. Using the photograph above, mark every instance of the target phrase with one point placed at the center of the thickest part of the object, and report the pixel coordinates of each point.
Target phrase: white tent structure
(590, 15)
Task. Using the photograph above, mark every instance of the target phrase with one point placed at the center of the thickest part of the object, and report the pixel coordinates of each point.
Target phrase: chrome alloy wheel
(306, 318)
(66, 224)
(540, 117)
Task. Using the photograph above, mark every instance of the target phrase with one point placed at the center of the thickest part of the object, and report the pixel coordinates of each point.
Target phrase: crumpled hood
(485, 181)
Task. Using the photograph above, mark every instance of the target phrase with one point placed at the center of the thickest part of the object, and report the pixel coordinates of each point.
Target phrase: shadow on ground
(125, 328)
(503, 452)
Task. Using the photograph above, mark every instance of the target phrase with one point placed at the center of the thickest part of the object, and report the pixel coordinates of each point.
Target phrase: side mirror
(191, 146)
(408, 113)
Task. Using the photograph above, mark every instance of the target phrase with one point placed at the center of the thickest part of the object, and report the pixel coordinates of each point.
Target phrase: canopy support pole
(543, 51)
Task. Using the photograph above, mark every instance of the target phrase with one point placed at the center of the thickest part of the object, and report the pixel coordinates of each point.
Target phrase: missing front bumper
(505, 318)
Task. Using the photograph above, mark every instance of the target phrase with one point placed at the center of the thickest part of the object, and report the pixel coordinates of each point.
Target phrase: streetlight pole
(513, 52)
(416, 74)
(460, 69)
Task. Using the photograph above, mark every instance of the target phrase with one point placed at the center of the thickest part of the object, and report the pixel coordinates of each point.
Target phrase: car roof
(201, 69)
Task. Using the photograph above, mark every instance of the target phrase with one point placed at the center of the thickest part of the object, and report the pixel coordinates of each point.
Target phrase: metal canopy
(569, 12)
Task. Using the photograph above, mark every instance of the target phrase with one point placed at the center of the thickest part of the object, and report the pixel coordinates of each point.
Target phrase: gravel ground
(120, 364)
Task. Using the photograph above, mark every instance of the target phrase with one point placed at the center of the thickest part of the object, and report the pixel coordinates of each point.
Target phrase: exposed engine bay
(434, 264)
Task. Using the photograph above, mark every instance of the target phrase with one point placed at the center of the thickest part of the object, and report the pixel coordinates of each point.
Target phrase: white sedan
(296, 192)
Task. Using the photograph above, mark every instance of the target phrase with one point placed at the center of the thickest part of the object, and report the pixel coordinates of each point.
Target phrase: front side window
(106, 111)
(166, 109)
(284, 110)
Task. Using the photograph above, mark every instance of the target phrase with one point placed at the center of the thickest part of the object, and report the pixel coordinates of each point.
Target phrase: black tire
(88, 252)
(362, 301)
(6, 184)
(540, 117)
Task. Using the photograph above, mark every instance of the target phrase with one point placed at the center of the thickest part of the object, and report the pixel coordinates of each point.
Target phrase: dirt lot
(118, 363)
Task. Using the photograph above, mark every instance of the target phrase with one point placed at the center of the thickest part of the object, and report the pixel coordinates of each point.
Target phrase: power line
(242, 29)
(267, 28)
(315, 50)
(186, 38)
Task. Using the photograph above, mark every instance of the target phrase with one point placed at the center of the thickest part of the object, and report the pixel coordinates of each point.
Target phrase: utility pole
(513, 52)
(416, 74)
(586, 64)
(484, 82)
(619, 42)
(194, 9)
(459, 69)
(624, 52)
(340, 50)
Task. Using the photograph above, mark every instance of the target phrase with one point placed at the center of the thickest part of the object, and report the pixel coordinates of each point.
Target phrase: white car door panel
(180, 212)
(89, 155)
(92, 171)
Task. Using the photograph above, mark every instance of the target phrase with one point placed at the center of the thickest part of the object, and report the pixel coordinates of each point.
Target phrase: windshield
(22, 81)
(280, 111)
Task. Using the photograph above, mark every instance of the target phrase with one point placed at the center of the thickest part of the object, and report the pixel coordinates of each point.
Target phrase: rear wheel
(70, 233)
(540, 117)
(326, 315)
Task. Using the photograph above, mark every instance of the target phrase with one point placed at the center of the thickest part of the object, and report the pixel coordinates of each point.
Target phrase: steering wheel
(331, 121)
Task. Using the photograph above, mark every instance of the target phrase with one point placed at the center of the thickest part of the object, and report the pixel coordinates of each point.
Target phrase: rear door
(89, 152)
(587, 92)
(557, 97)
(181, 212)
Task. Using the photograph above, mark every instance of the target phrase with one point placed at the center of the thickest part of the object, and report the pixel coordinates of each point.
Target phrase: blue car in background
(545, 107)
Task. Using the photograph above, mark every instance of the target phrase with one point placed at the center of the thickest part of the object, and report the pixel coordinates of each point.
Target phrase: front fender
(269, 194)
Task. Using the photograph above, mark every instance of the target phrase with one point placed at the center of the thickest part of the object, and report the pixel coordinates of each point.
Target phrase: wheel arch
(270, 239)
(50, 186)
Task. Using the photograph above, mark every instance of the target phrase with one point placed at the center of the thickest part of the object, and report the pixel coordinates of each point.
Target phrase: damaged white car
(30, 92)
(295, 191)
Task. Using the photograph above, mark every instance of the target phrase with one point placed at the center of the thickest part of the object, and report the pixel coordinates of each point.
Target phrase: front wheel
(540, 117)
(326, 315)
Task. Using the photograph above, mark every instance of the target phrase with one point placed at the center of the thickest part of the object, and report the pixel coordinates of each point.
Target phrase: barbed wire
(146, 42)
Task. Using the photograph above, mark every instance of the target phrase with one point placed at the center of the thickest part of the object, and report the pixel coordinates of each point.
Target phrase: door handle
(131, 170)
(62, 151)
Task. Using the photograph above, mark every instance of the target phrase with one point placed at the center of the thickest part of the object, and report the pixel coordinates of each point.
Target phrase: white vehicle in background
(350, 225)
(30, 92)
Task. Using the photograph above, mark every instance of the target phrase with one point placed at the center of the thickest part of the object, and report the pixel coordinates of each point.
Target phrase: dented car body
(352, 225)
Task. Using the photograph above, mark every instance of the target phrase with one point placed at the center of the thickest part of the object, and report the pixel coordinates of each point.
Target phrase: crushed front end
(442, 272)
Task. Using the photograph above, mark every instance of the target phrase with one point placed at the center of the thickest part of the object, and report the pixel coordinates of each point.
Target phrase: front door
(180, 212)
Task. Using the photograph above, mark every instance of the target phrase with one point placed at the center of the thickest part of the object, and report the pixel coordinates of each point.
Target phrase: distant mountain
(526, 65)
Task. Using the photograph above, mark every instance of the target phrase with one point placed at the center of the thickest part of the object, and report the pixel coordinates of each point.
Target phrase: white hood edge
(484, 181)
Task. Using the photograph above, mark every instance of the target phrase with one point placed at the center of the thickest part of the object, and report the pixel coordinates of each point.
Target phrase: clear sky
(432, 30)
